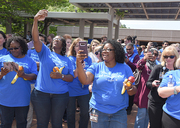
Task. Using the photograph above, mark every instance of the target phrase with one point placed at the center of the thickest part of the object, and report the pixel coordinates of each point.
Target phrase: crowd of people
(52, 76)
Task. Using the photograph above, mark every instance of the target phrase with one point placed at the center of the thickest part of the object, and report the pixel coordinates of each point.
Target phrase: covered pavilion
(132, 10)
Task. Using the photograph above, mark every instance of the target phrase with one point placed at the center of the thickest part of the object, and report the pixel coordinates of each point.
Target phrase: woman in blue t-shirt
(15, 96)
(170, 88)
(50, 95)
(77, 90)
(107, 104)
(3, 50)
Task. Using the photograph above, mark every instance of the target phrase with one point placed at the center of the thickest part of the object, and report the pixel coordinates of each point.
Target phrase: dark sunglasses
(97, 52)
(128, 49)
(155, 54)
(171, 57)
(13, 48)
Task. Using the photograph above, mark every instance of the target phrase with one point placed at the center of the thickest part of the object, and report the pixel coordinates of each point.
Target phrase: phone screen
(83, 46)
(157, 83)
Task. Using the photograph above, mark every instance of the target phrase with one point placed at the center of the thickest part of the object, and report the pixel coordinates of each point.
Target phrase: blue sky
(144, 24)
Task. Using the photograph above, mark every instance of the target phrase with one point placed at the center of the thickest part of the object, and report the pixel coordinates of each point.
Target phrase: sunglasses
(171, 57)
(97, 52)
(155, 54)
(13, 48)
(128, 49)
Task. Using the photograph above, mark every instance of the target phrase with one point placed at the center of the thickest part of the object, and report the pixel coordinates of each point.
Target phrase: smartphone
(157, 83)
(83, 46)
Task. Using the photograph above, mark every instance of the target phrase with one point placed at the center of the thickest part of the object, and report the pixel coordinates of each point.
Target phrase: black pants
(131, 102)
(169, 122)
(155, 114)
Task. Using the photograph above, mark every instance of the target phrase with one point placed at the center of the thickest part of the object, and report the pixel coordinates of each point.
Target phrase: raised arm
(35, 33)
(84, 78)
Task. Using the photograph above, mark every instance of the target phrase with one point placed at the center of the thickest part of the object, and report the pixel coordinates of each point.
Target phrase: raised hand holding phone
(83, 46)
(41, 15)
(148, 55)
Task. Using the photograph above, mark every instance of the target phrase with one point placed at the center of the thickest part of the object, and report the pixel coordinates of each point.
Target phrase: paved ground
(131, 120)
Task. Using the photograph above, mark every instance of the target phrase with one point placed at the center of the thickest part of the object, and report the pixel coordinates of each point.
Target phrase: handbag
(137, 76)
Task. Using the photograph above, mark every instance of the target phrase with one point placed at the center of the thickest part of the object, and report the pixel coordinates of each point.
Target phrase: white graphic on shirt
(111, 77)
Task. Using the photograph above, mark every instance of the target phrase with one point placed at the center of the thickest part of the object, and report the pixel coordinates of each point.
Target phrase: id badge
(93, 116)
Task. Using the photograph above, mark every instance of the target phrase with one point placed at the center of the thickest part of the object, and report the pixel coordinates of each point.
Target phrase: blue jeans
(142, 118)
(48, 105)
(84, 108)
(115, 120)
(7, 116)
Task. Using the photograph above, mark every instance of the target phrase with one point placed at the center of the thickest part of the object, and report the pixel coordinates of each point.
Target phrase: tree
(11, 9)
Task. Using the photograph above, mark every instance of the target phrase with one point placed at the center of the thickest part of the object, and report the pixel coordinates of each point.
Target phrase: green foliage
(11, 9)
(123, 26)
(65, 8)
(121, 13)
(53, 30)
(2, 28)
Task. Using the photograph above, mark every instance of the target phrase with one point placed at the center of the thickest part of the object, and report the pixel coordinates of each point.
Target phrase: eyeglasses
(13, 48)
(171, 57)
(107, 50)
(56, 39)
(128, 49)
(42, 40)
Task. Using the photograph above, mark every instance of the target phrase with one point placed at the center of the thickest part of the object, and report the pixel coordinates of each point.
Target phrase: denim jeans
(84, 108)
(8, 113)
(115, 120)
(48, 105)
(142, 118)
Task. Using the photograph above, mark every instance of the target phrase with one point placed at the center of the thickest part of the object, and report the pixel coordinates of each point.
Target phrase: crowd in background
(91, 83)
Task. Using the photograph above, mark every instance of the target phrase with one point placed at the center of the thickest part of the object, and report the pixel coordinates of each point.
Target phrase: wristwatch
(62, 76)
(175, 92)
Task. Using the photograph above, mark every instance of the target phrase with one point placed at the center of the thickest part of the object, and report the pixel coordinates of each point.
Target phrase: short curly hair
(21, 42)
(118, 49)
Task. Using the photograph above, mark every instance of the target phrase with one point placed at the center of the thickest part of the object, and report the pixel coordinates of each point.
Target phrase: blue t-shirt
(75, 87)
(172, 105)
(3, 52)
(161, 50)
(107, 86)
(17, 94)
(33, 54)
(48, 60)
